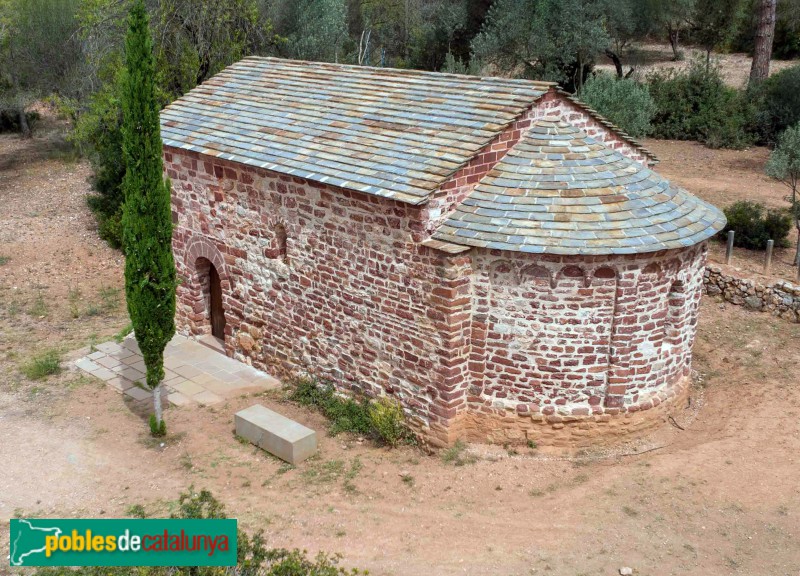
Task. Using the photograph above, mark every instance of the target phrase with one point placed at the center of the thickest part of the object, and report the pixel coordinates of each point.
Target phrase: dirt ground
(719, 496)
(650, 57)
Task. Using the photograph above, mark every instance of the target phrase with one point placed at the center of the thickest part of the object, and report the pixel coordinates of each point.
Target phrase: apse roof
(559, 191)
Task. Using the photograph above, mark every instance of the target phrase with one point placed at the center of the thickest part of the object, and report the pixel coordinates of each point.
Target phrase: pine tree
(150, 277)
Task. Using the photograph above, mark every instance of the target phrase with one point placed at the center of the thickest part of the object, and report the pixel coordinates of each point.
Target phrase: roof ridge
(409, 71)
(608, 124)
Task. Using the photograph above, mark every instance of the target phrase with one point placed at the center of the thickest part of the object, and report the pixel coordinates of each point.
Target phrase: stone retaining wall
(782, 298)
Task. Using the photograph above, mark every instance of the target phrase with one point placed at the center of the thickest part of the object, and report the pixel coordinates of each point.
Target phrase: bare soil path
(719, 497)
(651, 57)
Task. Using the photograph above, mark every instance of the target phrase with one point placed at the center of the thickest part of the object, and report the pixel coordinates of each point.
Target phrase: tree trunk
(797, 252)
(765, 33)
(616, 61)
(673, 42)
(23, 123)
(157, 403)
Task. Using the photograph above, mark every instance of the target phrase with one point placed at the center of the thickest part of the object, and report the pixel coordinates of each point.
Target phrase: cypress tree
(150, 277)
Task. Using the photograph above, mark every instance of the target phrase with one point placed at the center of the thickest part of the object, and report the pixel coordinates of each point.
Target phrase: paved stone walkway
(194, 373)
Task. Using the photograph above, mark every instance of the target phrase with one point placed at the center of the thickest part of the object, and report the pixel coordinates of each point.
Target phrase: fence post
(768, 260)
(729, 250)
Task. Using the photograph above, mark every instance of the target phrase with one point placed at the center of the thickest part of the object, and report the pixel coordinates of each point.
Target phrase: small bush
(778, 102)
(698, 105)
(624, 101)
(157, 429)
(386, 416)
(381, 421)
(43, 365)
(753, 225)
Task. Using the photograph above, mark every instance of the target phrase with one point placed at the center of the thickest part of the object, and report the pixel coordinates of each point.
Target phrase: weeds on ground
(13, 309)
(382, 420)
(109, 299)
(457, 455)
(323, 472)
(4, 259)
(122, 334)
(632, 512)
(43, 365)
(39, 308)
(136, 511)
(355, 468)
(186, 461)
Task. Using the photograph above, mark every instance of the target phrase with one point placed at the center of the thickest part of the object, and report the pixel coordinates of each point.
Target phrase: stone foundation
(563, 431)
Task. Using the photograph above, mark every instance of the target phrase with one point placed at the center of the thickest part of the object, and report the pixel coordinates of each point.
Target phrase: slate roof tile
(533, 202)
(392, 133)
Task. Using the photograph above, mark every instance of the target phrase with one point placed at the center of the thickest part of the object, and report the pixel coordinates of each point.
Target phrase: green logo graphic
(122, 542)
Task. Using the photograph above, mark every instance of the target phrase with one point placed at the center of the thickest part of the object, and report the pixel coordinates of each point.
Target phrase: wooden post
(729, 251)
(768, 260)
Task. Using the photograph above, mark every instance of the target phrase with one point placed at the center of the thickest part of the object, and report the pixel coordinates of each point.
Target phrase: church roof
(393, 133)
(559, 191)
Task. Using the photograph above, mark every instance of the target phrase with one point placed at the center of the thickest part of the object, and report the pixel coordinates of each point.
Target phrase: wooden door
(217, 314)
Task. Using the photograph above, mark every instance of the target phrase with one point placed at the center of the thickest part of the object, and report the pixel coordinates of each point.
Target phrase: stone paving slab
(194, 373)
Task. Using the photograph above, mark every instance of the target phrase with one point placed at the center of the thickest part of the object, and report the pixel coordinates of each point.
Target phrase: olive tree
(547, 39)
(784, 165)
(40, 53)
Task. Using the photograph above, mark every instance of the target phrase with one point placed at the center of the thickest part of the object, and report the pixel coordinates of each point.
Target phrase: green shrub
(778, 103)
(43, 365)
(382, 420)
(753, 225)
(345, 414)
(157, 429)
(388, 421)
(625, 102)
(98, 135)
(698, 105)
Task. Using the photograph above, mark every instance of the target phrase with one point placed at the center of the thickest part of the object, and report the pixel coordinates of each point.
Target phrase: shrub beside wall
(753, 225)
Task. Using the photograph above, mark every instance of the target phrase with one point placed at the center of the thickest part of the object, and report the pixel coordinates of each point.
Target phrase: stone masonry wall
(324, 281)
(781, 299)
(573, 337)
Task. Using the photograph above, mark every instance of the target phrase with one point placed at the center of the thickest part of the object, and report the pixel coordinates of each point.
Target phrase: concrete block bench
(278, 435)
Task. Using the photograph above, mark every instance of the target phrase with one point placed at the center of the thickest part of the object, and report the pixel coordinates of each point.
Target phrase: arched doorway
(216, 311)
